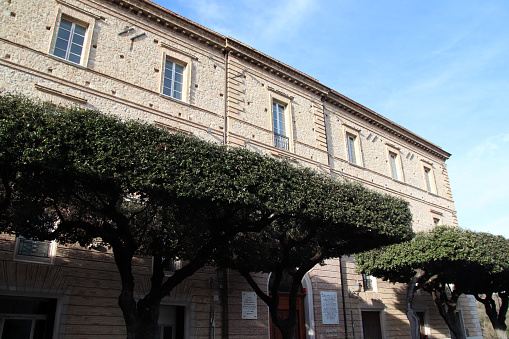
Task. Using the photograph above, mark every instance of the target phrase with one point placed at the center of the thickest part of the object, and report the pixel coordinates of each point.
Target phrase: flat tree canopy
(76, 175)
(357, 220)
(452, 262)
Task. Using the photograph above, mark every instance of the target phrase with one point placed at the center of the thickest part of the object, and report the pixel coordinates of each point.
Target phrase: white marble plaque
(330, 314)
(249, 307)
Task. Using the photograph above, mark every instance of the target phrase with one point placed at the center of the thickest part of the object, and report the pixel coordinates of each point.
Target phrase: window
(392, 161)
(367, 282)
(170, 267)
(173, 82)
(429, 179)
(27, 318)
(70, 41)
(350, 144)
(436, 221)
(353, 145)
(278, 118)
(32, 250)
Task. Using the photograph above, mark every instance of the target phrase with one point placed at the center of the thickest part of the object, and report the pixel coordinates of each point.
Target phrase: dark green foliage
(452, 253)
(463, 261)
(77, 175)
(338, 219)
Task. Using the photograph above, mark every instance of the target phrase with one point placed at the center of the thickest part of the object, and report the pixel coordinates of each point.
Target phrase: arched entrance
(305, 315)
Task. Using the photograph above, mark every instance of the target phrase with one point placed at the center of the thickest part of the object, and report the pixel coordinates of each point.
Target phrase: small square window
(70, 41)
(173, 82)
(36, 251)
(436, 221)
(278, 118)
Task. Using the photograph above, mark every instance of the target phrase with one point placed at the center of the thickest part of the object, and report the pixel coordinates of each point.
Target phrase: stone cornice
(275, 67)
(164, 18)
(354, 108)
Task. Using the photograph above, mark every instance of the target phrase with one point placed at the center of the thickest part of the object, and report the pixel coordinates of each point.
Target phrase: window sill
(174, 99)
(356, 165)
(67, 61)
(398, 181)
(43, 261)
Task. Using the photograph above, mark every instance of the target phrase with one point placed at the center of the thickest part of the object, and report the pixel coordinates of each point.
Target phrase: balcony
(281, 141)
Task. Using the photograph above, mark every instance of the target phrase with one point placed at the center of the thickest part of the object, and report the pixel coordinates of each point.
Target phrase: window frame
(168, 53)
(281, 139)
(80, 17)
(51, 316)
(353, 146)
(430, 184)
(284, 101)
(172, 266)
(49, 259)
(70, 40)
(173, 80)
(394, 161)
(368, 283)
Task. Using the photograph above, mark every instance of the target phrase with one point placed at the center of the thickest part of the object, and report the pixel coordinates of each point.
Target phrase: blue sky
(438, 68)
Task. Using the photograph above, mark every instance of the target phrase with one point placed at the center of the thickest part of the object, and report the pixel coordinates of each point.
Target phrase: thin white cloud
(480, 183)
(286, 18)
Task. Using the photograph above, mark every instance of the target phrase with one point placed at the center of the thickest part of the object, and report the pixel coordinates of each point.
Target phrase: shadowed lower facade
(140, 61)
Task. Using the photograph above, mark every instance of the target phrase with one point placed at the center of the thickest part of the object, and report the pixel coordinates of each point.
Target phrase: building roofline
(206, 36)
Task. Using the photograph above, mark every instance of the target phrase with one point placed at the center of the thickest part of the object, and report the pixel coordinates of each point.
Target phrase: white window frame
(353, 146)
(169, 54)
(372, 280)
(72, 34)
(279, 126)
(280, 99)
(48, 259)
(394, 162)
(76, 16)
(177, 69)
(428, 173)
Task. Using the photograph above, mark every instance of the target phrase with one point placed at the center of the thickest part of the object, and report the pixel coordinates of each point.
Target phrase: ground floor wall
(80, 286)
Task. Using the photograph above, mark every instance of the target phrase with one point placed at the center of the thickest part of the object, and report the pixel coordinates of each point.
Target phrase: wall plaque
(249, 307)
(330, 314)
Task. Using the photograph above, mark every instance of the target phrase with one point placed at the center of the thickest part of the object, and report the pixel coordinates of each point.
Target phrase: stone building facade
(138, 60)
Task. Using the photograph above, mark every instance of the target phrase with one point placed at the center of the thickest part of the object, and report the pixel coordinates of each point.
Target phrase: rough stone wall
(122, 74)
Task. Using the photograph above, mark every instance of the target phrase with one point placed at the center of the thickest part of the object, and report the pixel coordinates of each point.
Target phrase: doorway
(283, 311)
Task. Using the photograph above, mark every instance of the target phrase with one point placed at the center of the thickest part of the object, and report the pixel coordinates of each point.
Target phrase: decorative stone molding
(272, 89)
(59, 93)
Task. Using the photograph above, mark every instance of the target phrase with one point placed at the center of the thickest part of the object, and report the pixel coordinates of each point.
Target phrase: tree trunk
(415, 323)
(497, 319)
(447, 309)
(140, 316)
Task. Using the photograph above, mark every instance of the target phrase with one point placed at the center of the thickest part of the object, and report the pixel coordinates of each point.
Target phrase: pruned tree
(337, 218)
(449, 262)
(76, 175)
